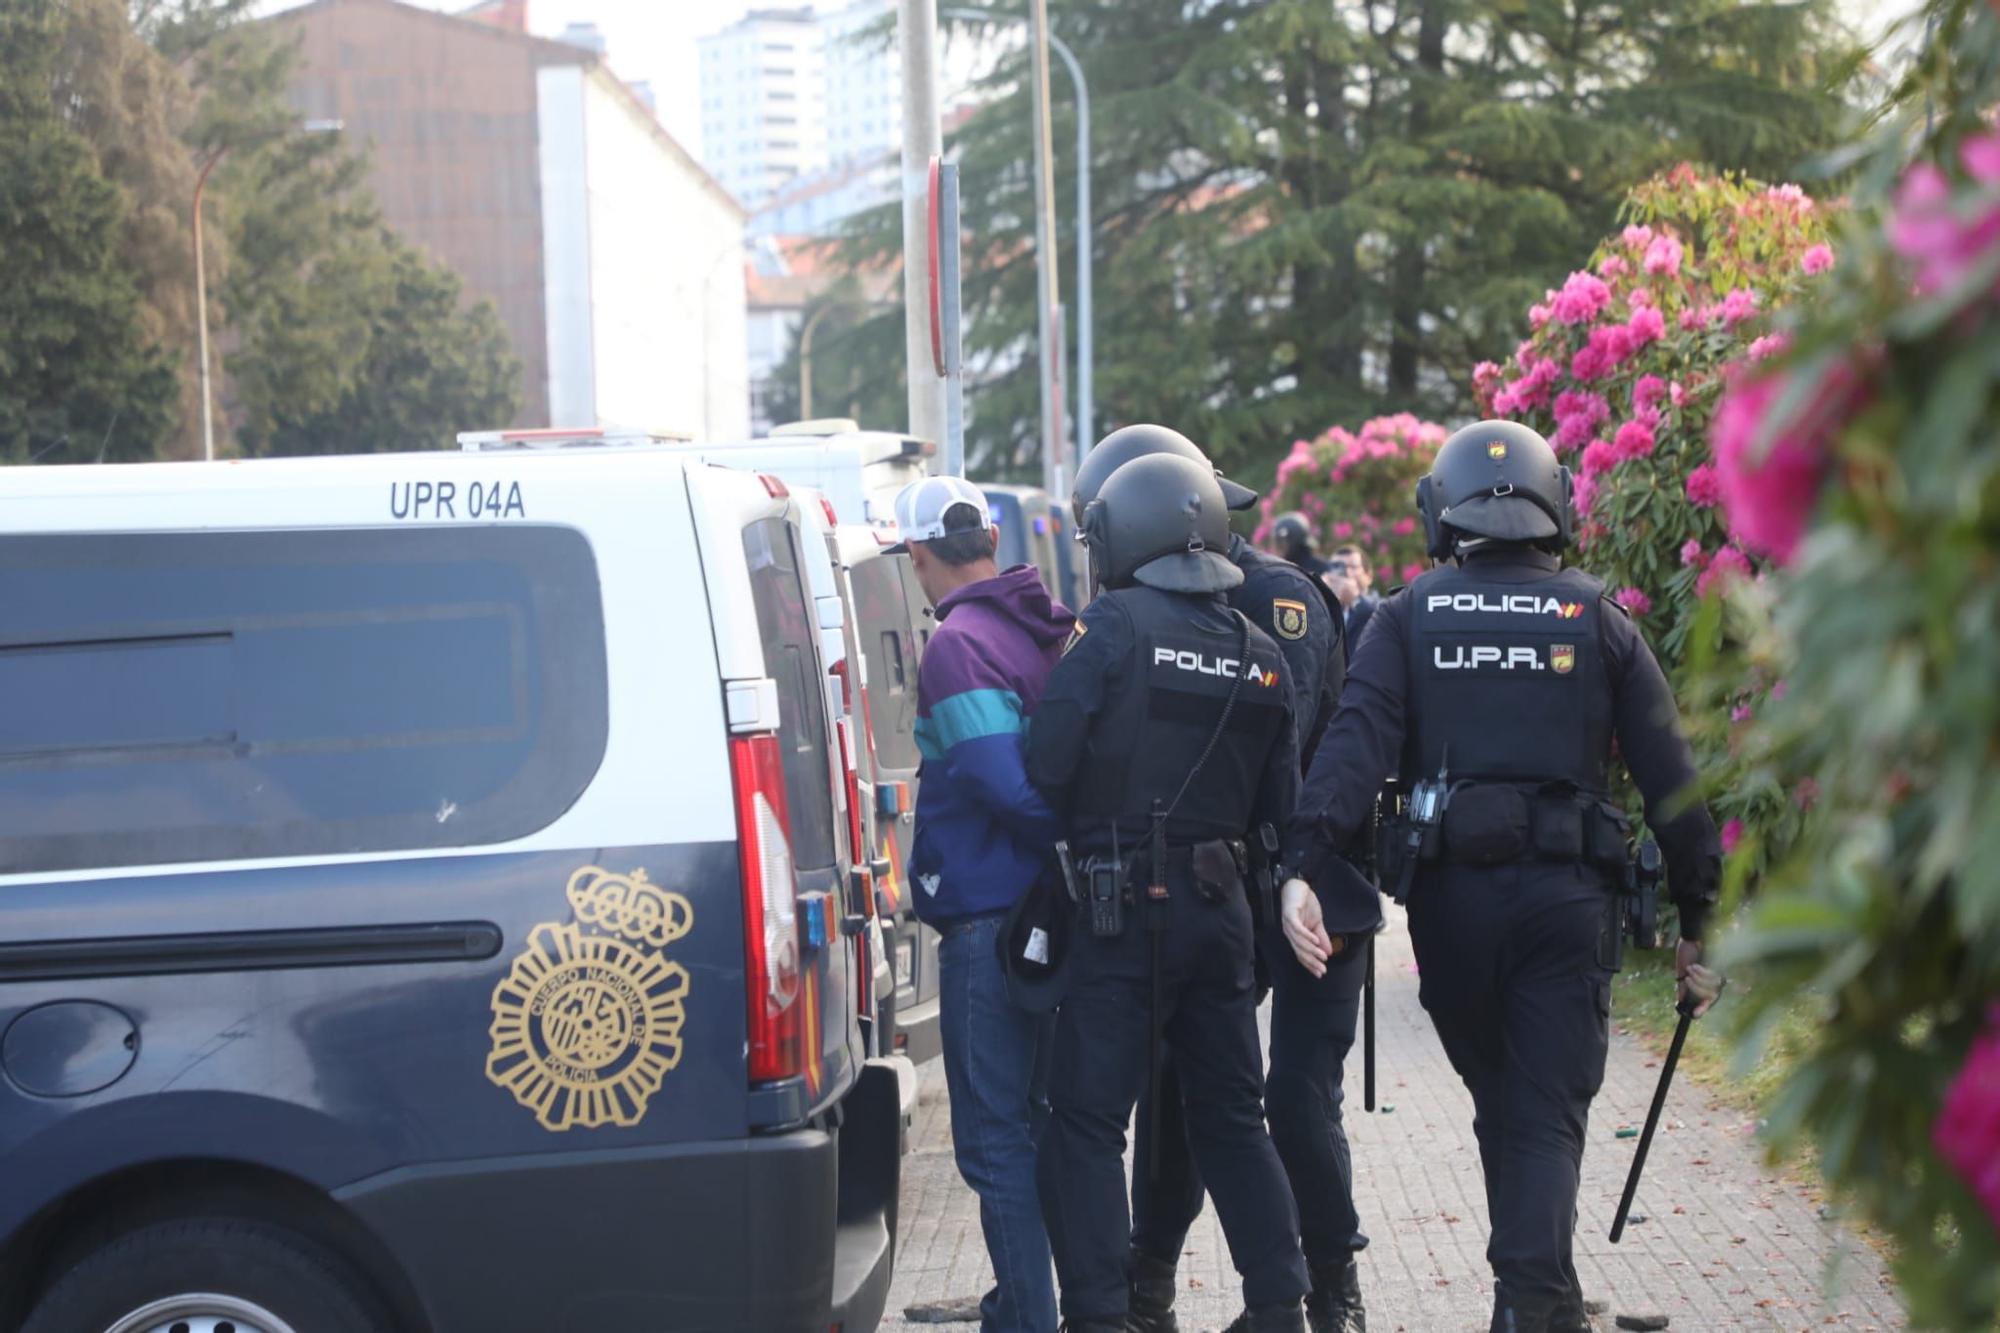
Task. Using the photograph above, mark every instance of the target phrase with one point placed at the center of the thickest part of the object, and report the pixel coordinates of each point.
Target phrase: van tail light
(857, 848)
(774, 488)
(826, 506)
(770, 910)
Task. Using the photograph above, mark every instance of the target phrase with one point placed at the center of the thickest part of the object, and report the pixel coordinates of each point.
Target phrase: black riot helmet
(1160, 520)
(1293, 536)
(1495, 479)
(1126, 443)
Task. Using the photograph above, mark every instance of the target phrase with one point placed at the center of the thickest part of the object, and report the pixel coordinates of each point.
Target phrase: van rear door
(805, 1033)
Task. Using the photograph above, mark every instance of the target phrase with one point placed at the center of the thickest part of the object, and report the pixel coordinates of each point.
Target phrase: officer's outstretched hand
(1699, 986)
(1305, 929)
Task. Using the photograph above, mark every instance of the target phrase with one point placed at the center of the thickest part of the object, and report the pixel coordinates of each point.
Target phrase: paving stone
(1730, 1245)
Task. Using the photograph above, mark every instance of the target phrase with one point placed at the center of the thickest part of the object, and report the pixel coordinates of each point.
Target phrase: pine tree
(1308, 213)
(79, 380)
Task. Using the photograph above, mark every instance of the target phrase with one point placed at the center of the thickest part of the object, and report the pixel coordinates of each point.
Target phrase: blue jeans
(995, 1074)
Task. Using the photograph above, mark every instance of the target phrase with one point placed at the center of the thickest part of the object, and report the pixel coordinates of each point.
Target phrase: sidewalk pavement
(1726, 1244)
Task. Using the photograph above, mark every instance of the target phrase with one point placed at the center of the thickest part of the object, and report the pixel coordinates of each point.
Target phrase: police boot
(1287, 1318)
(1335, 1303)
(1519, 1312)
(1150, 1305)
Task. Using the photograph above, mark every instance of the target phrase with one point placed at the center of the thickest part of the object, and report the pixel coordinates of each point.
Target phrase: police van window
(790, 657)
(188, 697)
(885, 618)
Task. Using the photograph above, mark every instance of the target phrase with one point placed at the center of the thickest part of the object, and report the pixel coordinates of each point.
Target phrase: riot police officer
(1293, 537)
(1163, 738)
(1501, 681)
(1313, 1018)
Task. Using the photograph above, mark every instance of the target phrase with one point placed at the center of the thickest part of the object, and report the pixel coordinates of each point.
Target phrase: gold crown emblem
(587, 1022)
(630, 906)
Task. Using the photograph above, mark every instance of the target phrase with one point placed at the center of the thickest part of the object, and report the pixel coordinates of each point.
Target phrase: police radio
(1642, 896)
(1423, 814)
(1107, 896)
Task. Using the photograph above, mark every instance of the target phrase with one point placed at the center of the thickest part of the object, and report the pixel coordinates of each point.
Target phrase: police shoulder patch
(1288, 618)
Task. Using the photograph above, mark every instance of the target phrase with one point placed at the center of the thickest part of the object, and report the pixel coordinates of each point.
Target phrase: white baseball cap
(938, 507)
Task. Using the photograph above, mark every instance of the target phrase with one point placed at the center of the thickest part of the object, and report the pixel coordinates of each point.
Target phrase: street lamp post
(201, 281)
(806, 362)
(1086, 405)
(201, 310)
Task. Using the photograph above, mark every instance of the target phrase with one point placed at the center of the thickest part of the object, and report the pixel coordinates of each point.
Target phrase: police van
(424, 903)
(1033, 531)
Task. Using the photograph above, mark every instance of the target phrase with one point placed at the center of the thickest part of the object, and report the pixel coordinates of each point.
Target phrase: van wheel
(207, 1275)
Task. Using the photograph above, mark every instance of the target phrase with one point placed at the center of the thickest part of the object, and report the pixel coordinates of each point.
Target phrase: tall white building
(763, 102)
(864, 81)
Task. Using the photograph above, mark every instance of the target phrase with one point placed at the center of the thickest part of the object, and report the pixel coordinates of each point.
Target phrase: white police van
(423, 903)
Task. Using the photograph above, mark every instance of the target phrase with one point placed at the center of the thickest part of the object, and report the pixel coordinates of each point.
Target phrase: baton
(1368, 1032)
(1686, 1010)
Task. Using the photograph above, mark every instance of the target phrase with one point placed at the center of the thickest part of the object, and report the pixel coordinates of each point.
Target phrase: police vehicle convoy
(428, 901)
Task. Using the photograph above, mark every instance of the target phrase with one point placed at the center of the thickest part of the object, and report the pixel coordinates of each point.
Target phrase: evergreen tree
(79, 380)
(1310, 212)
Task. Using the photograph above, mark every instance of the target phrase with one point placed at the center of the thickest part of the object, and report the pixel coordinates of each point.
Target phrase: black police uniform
(1123, 721)
(1312, 1019)
(1519, 676)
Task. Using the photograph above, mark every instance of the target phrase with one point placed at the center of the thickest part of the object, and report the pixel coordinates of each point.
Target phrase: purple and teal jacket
(983, 832)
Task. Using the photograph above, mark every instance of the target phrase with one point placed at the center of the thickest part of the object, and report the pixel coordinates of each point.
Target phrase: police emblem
(1289, 618)
(1562, 658)
(1496, 449)
(587, 1022)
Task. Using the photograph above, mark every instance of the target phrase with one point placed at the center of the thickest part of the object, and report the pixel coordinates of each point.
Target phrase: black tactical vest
(1509, 678)
(1163, 707)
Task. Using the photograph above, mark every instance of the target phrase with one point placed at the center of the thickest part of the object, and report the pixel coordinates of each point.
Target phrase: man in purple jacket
(983, 836)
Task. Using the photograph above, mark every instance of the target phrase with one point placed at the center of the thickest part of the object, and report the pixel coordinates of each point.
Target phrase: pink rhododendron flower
(1577, 414)
(1612, 266)
(1926, 230)
(1649, 390)
(1637, 238)
(1582, 296)
(1732, 833)
(1725, 566)
(1966, 1132)
(1598, 458)
(1677, 395)
(1404, 527)
(1583, 492)
(1663, 256)
(1704, 487)
(1769, 489)
(1740, 713)
(1633, 440)
(1411, 573)
(1739, 305)
(1779, 689)
(1640, 296)
(1647, 325)
(1343, 530)
(1633, 600)
(1524, 354)
(1691, 552)
(1538, 315)
(1771, 344)
(1817, 258)
(1799, 200)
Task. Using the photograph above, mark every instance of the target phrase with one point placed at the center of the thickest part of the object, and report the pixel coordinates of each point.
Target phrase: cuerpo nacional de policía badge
(587, 1023)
